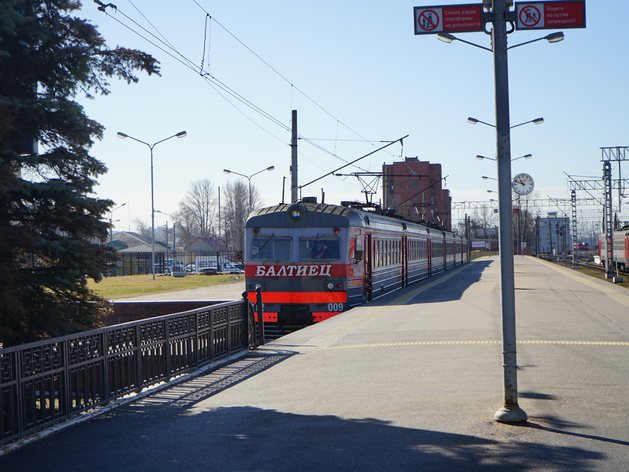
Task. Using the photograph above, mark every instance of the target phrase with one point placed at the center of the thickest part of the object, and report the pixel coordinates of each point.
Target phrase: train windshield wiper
(266, 242)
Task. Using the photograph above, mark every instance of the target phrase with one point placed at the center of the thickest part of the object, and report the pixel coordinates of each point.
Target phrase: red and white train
(621, 249)
(313, 261)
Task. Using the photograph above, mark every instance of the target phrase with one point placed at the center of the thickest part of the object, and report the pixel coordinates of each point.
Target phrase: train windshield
(275, 249)
(319, 248)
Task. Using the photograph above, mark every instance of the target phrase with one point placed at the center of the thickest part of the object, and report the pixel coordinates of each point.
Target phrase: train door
(404, 261)
(429, 255)
(368, 280)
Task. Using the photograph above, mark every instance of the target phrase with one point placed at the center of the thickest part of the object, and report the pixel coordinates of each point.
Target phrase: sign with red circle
(550, 15)
(529, 16)
(428, 20)
(448, 18)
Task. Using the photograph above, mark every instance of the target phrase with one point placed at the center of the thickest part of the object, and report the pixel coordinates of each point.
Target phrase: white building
(554, 234)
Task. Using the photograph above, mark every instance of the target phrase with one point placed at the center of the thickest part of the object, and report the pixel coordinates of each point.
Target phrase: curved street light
(111, 232)
(248, 177)
(551, 38)
(536, 121)
(526, 156)
(174, 251)
(111, 224)
(181, 134)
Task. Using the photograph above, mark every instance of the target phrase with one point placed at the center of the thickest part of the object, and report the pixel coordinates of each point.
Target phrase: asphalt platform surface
(408, 382)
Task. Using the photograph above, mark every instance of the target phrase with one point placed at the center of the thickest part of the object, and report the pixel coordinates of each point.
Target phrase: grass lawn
(135, 285)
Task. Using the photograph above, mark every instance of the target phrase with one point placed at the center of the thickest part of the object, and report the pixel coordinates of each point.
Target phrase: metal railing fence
(50, 381)
(139, 263)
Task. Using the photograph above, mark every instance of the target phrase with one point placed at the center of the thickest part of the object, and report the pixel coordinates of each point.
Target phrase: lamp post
(174, 251)
(111, 232)
(181, 134)
(248, 177)
(111, 224)
(510, 412)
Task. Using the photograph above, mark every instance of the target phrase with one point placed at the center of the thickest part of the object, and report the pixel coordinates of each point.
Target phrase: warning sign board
(448, 18)
(550, 15)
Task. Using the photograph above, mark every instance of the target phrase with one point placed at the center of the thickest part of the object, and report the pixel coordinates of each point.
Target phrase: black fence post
(250, 332)
(260, 316)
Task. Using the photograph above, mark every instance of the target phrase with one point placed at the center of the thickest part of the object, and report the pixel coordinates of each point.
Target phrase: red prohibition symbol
(428, 20)
(530, 16)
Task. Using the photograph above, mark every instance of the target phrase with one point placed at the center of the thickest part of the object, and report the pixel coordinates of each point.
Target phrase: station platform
(410, 381)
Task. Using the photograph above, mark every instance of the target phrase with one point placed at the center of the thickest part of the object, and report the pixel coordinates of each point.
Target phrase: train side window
(319, 248)
(275, 249)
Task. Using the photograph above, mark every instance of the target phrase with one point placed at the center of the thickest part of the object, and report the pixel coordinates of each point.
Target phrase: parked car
(208, 271)
(190, 268)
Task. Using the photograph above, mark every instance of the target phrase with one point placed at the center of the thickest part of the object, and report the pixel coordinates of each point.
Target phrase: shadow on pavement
(172, 430)
(451, 288)
(245, 438)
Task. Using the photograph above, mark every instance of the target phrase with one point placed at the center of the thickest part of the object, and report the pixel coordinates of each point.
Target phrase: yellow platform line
(325, 340)
(450, 343)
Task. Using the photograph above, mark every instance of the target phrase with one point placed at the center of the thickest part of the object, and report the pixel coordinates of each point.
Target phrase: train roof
(310, 213)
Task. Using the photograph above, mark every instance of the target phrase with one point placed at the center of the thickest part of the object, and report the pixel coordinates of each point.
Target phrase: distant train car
(620, 246)
(314, 261)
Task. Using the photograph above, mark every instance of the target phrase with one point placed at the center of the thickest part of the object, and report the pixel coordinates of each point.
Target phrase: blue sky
(357, 75)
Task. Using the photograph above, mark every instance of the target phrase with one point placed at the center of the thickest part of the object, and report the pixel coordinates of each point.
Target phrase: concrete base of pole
(511, 414)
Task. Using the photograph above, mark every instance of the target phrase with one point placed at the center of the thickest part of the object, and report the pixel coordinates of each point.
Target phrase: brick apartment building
(414, 189)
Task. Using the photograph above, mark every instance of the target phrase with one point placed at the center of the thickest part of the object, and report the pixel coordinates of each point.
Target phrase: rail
(51, 381)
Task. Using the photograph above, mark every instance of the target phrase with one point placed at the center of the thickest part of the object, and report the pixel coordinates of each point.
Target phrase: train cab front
(300, 270)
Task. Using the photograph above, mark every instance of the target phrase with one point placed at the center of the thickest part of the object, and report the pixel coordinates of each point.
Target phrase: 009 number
(335, 307)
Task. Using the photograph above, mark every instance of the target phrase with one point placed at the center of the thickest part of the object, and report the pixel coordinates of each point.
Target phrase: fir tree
(50, 222)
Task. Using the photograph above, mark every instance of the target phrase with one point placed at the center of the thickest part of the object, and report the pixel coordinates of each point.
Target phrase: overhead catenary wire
(167, 48)
(355, 160)
(280, 75)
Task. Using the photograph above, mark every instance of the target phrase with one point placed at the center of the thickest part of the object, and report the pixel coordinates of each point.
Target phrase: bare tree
(484, 220)
(142, 228)
(186, 227)
(524, 223)
(198, 209)
(236, 211)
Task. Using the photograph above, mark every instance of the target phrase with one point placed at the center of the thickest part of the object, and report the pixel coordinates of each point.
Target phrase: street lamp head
(527, 156)
(181, 134)
(227, 171)
(121, 135)
(555, 37)
(480, 158)
(446, 37)
(473, 121)
(270, 168)
(538, 121)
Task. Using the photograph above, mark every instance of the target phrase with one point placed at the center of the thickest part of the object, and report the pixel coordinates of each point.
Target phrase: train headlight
(296, 213)
(330, 286)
